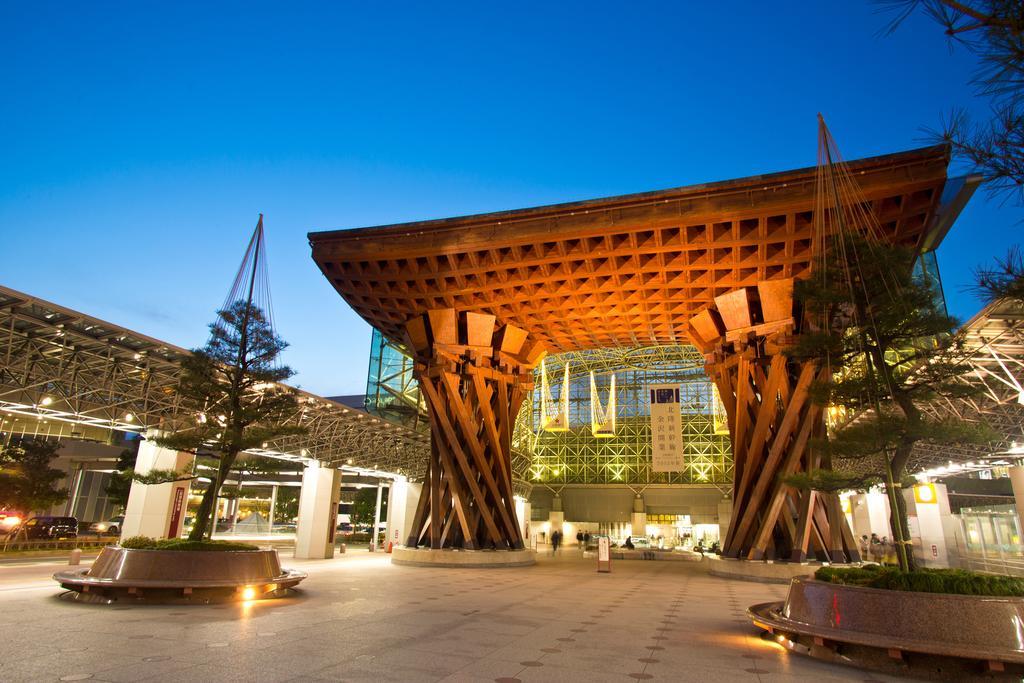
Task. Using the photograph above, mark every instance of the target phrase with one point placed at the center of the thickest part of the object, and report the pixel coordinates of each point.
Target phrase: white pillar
(638, 518)
(403, 496)
(318, 512)
(870, 513)
(376, 517)
(523, 510)
(724, 517)
(273, 507)
(157, 510)
(930, 523)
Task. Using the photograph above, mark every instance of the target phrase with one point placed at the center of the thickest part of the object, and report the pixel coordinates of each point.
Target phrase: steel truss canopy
(59, 365)
(621, 271)
(993, 348)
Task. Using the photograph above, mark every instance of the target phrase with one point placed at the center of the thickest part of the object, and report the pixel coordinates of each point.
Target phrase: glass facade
(391, 391)
(578, 456)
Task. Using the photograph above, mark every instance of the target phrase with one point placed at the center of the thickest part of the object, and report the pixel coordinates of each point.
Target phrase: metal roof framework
(994, 343)
(992, 349)
(58, 365)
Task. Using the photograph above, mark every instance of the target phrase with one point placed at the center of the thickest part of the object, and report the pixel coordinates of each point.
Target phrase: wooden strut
(772, 421)
(474, 376)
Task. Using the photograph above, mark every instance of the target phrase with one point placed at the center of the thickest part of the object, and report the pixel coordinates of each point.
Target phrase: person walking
(556, 540)
(876, 549)
(864, 548)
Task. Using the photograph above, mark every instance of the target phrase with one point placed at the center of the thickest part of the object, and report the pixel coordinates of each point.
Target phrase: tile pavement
(358, 618)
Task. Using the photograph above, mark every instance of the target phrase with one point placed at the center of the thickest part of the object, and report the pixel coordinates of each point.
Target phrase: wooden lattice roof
(620, 271)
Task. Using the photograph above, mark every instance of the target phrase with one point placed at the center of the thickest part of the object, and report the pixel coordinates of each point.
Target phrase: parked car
(111, 527)
(47, 527)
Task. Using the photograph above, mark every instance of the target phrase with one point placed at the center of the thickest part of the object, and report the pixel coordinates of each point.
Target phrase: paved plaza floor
(359, 618)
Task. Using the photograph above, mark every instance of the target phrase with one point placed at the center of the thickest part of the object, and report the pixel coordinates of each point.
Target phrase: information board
(604, 554)
(666, 429)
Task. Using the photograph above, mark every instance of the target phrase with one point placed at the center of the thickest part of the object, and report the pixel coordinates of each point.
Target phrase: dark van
(48, 527)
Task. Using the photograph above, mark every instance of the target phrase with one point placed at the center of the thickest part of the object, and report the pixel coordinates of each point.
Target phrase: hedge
(147, 543)
(951, 581)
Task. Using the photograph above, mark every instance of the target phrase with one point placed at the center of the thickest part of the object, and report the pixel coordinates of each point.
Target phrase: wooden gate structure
(772, 420)
(477, 300)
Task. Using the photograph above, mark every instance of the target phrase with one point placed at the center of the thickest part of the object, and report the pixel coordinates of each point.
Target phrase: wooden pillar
(474, 375)
(772, 421)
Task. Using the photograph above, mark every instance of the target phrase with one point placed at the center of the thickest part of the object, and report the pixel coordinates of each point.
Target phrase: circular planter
(182, 574)
(427, 557)
(961, 626)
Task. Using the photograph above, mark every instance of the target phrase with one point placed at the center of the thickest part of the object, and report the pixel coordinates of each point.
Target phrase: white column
(376, 516)
(389, 519)
(724, 517)
(318, 512)
(273, 507)
(556, 517)
(523, 511)
(638, 518)
(929, 516)
(157, 510)
(403, 496)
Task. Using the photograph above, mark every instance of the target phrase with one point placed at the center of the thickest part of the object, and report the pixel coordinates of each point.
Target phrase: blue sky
(139, 141)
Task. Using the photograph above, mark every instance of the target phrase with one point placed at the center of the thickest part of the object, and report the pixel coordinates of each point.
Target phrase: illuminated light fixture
(46, 400)
(602, 418)
(349, 461)
(137, 356)
(926, 494)
(248, 593)
(554, 417)
(128, 417)
(555, 471)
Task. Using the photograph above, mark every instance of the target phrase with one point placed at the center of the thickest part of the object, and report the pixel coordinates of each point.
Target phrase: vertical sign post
(179, 499)
(666, 429)
(604, 554)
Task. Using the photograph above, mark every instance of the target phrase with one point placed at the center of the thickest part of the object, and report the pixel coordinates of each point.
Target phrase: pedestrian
(556, 540)
(888, 551)
(579, 538)
(876, 548)
(586, 538)
(864, 548)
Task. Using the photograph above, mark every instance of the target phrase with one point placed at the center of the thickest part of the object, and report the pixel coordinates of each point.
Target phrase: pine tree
(889, 341)
(993, 31)
(231, 387)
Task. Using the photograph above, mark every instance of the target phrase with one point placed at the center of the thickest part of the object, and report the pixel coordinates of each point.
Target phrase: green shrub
(202, 546)
(953, 581)
(138, 543)
(147, 543)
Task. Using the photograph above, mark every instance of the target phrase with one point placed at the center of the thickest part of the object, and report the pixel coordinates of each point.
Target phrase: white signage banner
(666, 429)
